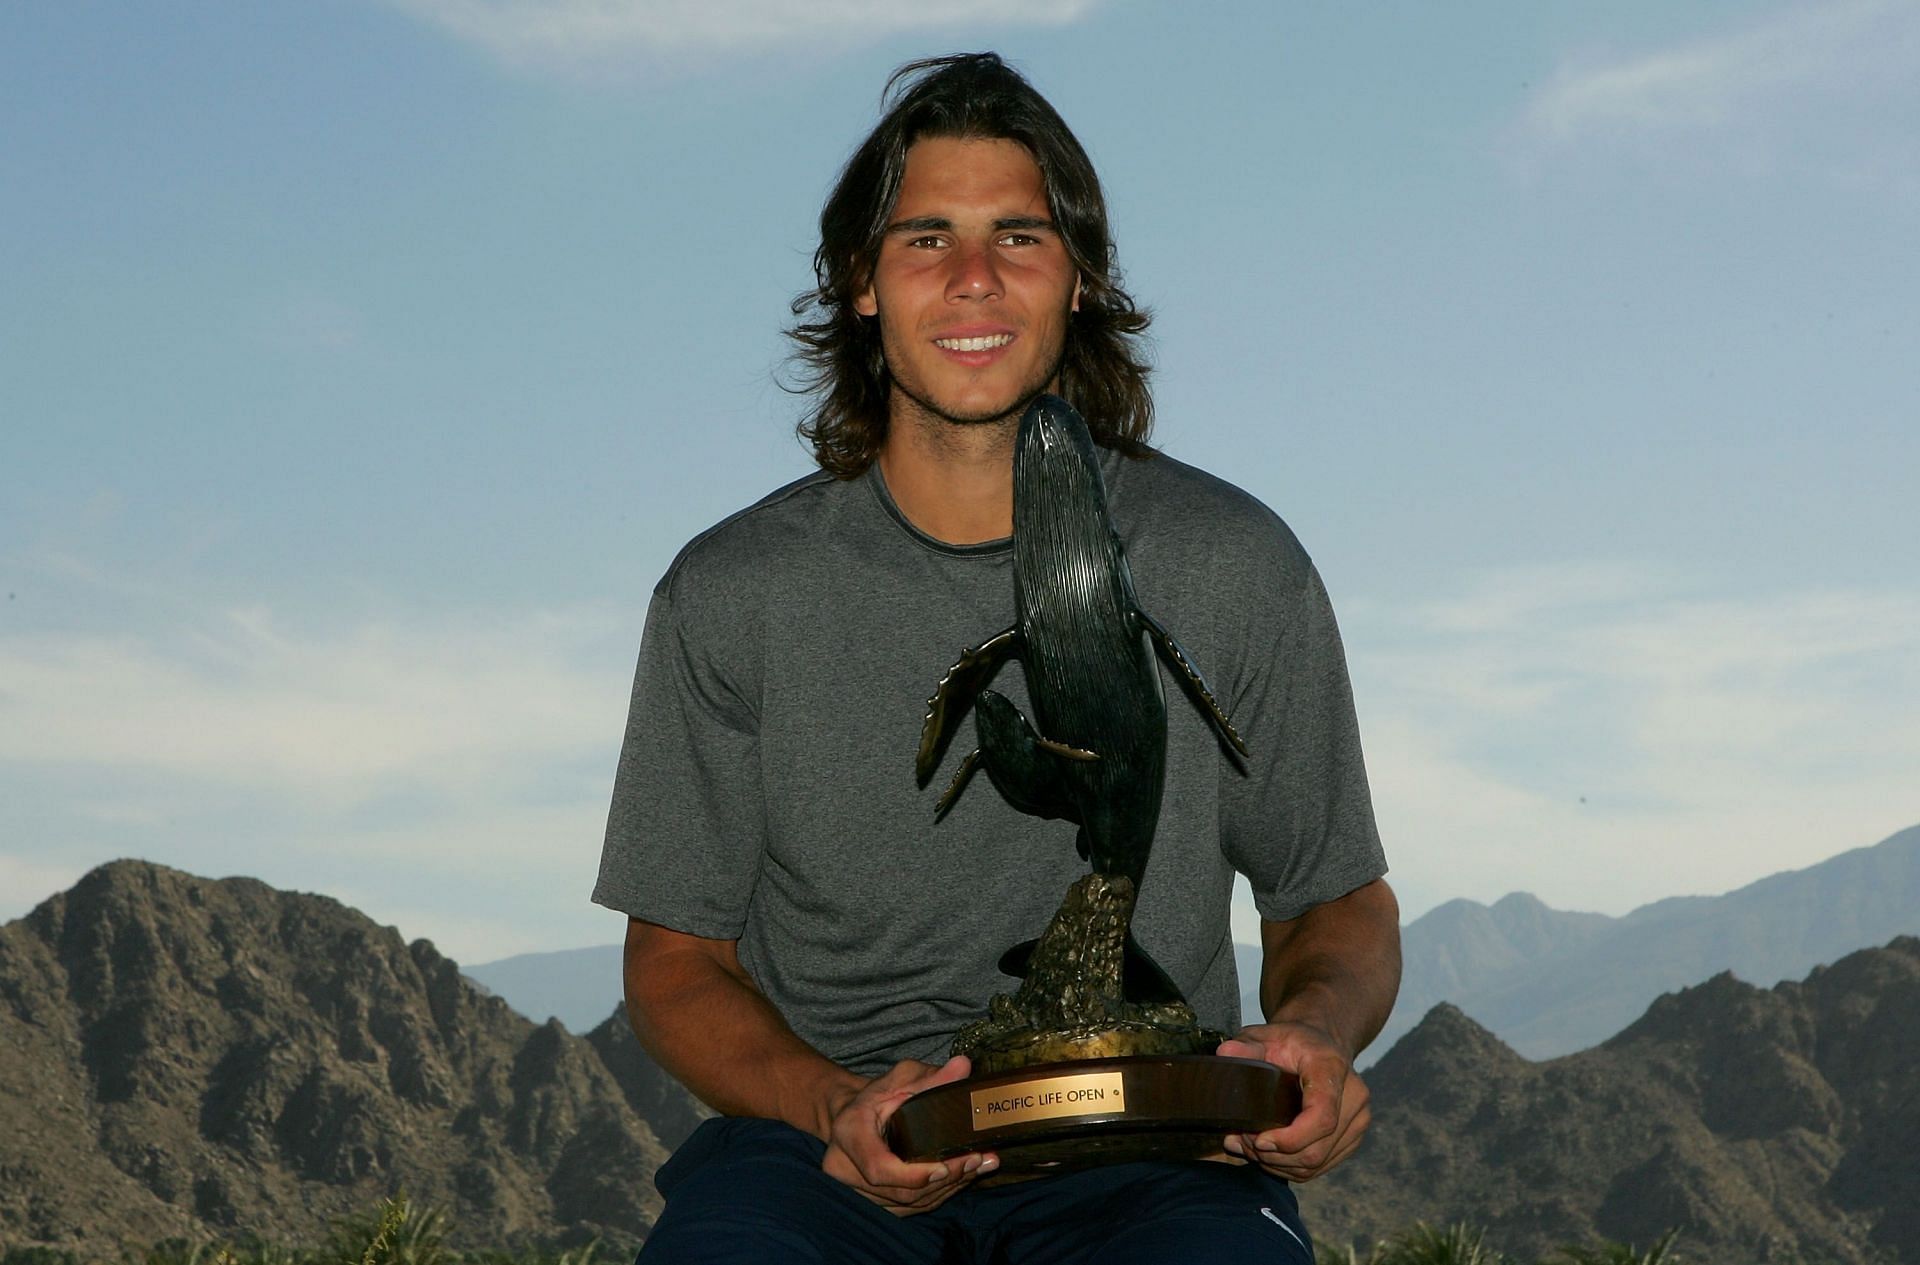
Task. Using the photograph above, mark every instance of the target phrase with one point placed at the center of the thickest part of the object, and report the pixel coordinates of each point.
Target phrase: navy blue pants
(751, 1191)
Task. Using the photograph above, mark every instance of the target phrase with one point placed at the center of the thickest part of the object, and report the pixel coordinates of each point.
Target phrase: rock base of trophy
(1071, 1003)
(1069, 1074)
(1060, 1117)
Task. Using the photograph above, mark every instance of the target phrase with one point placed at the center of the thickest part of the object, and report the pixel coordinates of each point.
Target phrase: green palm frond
(1661, 1253)
(1456, 1244)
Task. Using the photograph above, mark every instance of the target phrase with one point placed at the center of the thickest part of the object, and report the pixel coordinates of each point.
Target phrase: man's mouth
(986, 342)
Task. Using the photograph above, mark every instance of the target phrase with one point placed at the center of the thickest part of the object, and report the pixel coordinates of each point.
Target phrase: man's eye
(1019, 239)
(923, 243)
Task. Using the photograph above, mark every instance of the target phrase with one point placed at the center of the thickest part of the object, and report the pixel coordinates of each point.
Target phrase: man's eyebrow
(941, 224)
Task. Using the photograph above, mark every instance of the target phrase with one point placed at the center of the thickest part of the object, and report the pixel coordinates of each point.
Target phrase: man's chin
(993, 414)
(982, 419)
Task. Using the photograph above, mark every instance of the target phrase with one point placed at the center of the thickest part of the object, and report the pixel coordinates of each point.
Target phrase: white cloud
(1814, 94)
(329, 716)
(1600, 735)
(1603, 748)
(1799, 52)
(447, 776)
(602, 35)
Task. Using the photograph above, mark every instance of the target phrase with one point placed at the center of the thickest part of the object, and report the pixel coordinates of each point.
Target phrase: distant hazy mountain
(1764, 1124)
(1246, 958)
(1546, 981)
(579, 987)
(1549, 982)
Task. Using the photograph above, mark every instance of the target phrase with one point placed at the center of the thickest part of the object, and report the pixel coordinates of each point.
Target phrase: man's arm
(696, 1010)
(1327, 983)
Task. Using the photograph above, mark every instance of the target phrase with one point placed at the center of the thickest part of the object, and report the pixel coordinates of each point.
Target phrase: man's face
(973, 285)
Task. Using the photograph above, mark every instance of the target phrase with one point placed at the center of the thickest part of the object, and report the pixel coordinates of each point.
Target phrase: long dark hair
(972, 95)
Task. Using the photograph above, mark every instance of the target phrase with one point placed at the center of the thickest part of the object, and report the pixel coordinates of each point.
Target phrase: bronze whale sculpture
(1098, 755)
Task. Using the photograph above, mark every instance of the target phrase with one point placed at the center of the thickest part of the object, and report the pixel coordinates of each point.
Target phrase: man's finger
(1319, 1117)
(904, 1073)
(908, 1199)
(879, 1167)
(1318, 1157)
(1348, 1144)
(1298, 1168)
(954, 1069)
(860, 1157)
(885, 1177)
(889, 1167)
(904, 1080)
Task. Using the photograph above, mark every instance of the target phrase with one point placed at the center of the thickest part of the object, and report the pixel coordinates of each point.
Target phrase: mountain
(1766, 1124)
(188, 1057)
(655, 1096)
(1551, 982)
(1246, 960)
(1548, 981)
(576, 986)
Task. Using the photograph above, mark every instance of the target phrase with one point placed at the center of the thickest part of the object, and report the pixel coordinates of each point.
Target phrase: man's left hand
(1334, 1110)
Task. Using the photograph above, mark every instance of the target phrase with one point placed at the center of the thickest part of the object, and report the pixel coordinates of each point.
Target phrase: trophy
(1096, 1058)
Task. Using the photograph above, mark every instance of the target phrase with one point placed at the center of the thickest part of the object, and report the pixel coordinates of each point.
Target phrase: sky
(364, 363)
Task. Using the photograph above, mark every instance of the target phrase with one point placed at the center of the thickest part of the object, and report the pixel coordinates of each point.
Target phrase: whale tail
(1143, 981)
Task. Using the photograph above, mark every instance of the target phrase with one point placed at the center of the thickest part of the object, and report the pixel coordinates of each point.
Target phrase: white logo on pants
(1269, 1214)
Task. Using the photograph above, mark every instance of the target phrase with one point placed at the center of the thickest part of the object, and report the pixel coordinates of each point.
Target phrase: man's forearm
(1336, 967)
(694, 1009)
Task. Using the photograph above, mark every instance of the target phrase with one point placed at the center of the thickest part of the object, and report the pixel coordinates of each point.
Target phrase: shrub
(1661, 1253)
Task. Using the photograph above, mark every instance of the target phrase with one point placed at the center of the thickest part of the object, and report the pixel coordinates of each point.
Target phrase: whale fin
(961, 777)
(1066, 752)
(1196, 684)
(1024, 766)
(955, 694)
(1142, 980)
(1019, 762)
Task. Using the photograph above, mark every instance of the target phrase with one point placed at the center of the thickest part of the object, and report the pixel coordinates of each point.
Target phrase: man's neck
(953, 481)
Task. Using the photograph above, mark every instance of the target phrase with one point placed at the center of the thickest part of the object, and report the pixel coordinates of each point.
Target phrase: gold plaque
(1086, 1094)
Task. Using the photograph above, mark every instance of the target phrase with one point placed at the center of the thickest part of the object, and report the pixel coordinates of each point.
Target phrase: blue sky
(364, 363)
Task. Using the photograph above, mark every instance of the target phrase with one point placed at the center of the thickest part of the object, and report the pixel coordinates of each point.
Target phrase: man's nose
(975, 275)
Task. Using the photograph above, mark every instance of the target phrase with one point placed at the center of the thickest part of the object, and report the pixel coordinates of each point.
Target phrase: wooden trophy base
(1057, 1117)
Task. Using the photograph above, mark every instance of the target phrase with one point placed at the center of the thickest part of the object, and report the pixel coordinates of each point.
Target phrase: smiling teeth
(987, 343)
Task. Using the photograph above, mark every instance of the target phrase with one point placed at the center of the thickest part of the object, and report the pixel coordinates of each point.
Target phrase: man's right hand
(857, 1151)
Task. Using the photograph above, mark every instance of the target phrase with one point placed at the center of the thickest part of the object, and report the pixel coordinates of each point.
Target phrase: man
(804, 940)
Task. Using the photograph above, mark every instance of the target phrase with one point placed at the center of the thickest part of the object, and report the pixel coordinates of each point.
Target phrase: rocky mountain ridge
(1766, 1124)
(190, 1057)
(182, 1057)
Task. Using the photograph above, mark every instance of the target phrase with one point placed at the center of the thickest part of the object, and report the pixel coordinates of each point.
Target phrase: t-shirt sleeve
(1298, 821)
(685, 833)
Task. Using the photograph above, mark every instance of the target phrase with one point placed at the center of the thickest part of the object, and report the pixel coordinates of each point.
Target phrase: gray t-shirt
(765, 791)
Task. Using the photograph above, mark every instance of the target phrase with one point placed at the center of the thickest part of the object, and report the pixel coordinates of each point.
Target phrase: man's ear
(864, 304)
(1076, 292)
